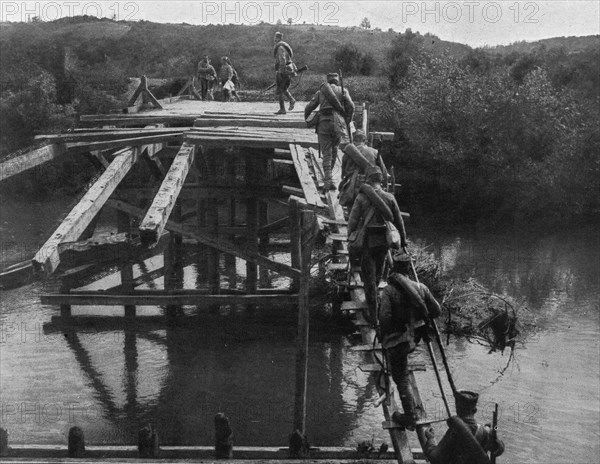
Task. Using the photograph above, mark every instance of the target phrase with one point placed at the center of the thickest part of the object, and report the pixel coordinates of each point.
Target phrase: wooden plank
(164, 297)
(47, 258)
(317, 167)
(220, 244)
(129, 142)
(164, 201)
(137, 120)
(108, 134)
(253, 122)
(338, 237)
(215, 140)
(293, 191)
(337, 267)
(311, 193)
(30, 160)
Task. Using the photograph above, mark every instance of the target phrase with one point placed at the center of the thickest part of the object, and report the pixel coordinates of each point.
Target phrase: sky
(475, 23)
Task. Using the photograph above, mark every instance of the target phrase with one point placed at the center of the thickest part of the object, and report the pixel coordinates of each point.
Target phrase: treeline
(506, 137)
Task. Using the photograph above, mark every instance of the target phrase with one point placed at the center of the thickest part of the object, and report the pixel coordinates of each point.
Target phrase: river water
(111, 381)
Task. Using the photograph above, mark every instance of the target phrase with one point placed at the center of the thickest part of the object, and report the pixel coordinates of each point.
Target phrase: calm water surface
(110, 381)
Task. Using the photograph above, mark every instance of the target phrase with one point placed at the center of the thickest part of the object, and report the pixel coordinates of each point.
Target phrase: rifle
(347, 123)
(494, 434)
(298, 71)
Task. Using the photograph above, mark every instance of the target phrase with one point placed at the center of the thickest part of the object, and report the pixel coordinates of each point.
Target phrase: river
(111, 381)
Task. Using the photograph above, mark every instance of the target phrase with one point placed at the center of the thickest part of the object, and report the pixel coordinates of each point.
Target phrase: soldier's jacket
(226, 72)
(398, 313)
(376, 227)
(206, 71)
(372, 155)
(449, 449)
(326, 111)
(283, 55)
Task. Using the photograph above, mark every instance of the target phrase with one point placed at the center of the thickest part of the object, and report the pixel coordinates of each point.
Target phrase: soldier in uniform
(451, 449)
(353, 176)
(335, 113)
(405, 306)
(375, 248)
(284, 71)
(226, 75)
(207, 76)
(236, 81)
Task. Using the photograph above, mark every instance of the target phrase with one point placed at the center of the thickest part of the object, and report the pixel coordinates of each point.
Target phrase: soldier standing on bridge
(226, 75)
(371, 209)
(336, 111)
(285, 69)
(207, 76)
(405, 306)
(353, 172)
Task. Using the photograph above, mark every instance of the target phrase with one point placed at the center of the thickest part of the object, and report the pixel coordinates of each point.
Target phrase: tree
(290, 21)
(365, 23)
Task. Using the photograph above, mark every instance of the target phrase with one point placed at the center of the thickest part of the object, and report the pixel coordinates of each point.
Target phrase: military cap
(401, 257)
(278, 35)
(374, 171)
(359, 134)
(333, 77)
(466, 399)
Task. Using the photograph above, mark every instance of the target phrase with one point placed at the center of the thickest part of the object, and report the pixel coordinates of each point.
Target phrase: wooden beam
(164, 201)
(108, 134)
(253, 122)
(194, 191)
(274, 226)
(311, 194)
(129, 142)
(164, 297)
(47, 258)
(30, 160)
(220, 244)
(136, 120)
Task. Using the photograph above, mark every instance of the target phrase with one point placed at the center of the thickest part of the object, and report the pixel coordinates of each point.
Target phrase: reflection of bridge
(180, 178)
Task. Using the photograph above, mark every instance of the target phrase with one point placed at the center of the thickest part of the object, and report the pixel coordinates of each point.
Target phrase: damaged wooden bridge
(225, 185)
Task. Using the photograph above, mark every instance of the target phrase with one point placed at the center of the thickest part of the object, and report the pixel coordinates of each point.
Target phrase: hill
(172, 50)
(570, 44)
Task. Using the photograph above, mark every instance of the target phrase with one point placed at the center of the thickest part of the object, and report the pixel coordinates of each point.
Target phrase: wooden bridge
(180, 177)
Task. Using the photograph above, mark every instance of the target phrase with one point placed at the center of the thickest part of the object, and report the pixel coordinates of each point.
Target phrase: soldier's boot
(291, 99)
(281, 107)
(410, 417)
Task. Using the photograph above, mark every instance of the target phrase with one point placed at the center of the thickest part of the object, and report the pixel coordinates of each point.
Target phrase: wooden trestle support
(202, 175)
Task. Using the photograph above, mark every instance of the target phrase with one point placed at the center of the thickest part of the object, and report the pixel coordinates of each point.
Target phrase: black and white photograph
(327, 232)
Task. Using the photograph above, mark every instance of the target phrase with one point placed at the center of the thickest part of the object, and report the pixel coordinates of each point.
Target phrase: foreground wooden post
(148, 443)
(223, 437)
(252, 226)
(76, 442)
(308, 230)
(3, 443)
(123, 224)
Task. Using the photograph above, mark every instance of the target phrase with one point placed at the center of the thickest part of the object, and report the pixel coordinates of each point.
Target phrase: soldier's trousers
(398, 358)
(329, 141)
(371, 268)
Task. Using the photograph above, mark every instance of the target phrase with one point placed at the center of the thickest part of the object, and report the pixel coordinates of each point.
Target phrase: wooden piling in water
(3, 443)
(76, 442)
(306, 222)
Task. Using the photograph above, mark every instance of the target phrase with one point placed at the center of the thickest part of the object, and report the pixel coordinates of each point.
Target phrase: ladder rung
(337, 267)
(361, 323)
(338, 237)
(346, 305)
(370, 367)
(366, 347)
